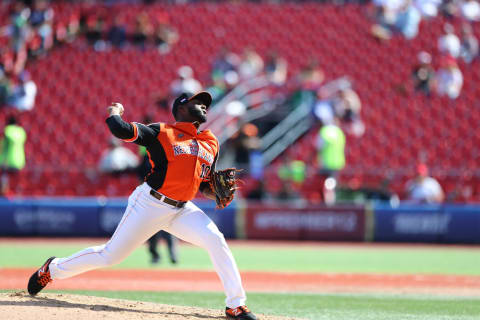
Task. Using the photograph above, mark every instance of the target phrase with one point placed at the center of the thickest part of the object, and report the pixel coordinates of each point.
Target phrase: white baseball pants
(146, 215)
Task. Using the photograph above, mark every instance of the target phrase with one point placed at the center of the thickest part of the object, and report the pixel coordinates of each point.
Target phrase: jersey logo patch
(193, 149)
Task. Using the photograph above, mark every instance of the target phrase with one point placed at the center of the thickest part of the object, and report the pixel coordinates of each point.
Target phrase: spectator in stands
(292, 174)
(276, 68)
(423, 74)
(24, 93)
(449, 8)
(258, 192)
(19, 27)
(143, 30)
(165, 36)
(423, 188)
(161, 99)
(41, 13)
(95, 29)
(12, 156)
(428, 8)
(469, 44)
(6, 60)
(217, 89)
(311, 76)
(396, 16)
(337, 99)
(251, 64)
(293, 171)
(449, 79)
(408, 20)
(5, 191)
(449, 44)
(330, 157)
(118, 159)
(323, 110)
(224, 73)
(185, 83)
(306, 83)
(41, 22)
(470, 10)
(67, 32)
(4, 88)
(346, 106)
(225, 65)
(117, 35)
(245, 143)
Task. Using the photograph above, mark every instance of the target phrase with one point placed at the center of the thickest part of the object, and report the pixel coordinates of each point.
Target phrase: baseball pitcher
(183, 162)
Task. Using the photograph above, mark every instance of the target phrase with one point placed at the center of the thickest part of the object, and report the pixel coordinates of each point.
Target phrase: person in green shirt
(331, 148)
(12, 152)
(331, 158)
(292, 173)
(12, 156)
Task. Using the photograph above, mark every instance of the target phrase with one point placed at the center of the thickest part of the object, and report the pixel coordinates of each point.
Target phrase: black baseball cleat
(240, 313)
(40, 278)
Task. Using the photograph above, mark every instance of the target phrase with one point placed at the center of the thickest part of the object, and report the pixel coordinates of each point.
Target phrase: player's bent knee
(214, 240)
(109, 259)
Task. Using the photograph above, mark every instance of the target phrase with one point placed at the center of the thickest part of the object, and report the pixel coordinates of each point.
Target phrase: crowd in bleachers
(341, 83)
(28, 34)
(404, 17)
(32, 31)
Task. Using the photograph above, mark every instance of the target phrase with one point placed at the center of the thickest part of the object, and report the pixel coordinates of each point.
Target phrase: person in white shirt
(24, 94)
(423, 188)
(449, 79)
(117, 159)
(251, 65)
(185, 82)
(449, 43)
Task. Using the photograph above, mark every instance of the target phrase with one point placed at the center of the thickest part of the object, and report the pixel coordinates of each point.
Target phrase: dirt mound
(50, 306)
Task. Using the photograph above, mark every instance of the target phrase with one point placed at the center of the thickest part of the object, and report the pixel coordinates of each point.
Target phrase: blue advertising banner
(110, 214)
(49, 217)
(427, 223)
(18, 218)
(464, 226)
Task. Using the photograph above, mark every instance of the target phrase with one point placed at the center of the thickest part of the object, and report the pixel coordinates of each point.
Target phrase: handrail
(223, 124)
(287, 131)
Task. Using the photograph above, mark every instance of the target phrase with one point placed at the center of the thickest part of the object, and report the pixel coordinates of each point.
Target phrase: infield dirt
(49, 306)
(183, 280)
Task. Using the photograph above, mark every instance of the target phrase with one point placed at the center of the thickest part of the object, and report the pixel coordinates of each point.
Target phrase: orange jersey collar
(186, 127)
(190, 129)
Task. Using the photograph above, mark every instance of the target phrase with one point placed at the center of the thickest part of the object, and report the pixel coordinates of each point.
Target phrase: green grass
(399, 260)
(319, 306)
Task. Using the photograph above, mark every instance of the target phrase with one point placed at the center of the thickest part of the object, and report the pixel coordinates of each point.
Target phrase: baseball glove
(224, 184)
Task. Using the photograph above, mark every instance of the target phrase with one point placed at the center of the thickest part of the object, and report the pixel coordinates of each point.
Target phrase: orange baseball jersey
(181, 158)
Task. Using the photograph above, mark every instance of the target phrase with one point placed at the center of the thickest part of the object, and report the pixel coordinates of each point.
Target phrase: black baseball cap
(202, 96)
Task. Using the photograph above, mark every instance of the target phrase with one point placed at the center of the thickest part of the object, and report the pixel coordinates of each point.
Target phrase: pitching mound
(49, 306)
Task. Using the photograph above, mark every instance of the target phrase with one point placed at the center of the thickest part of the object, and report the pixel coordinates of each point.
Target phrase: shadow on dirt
(59, 303)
